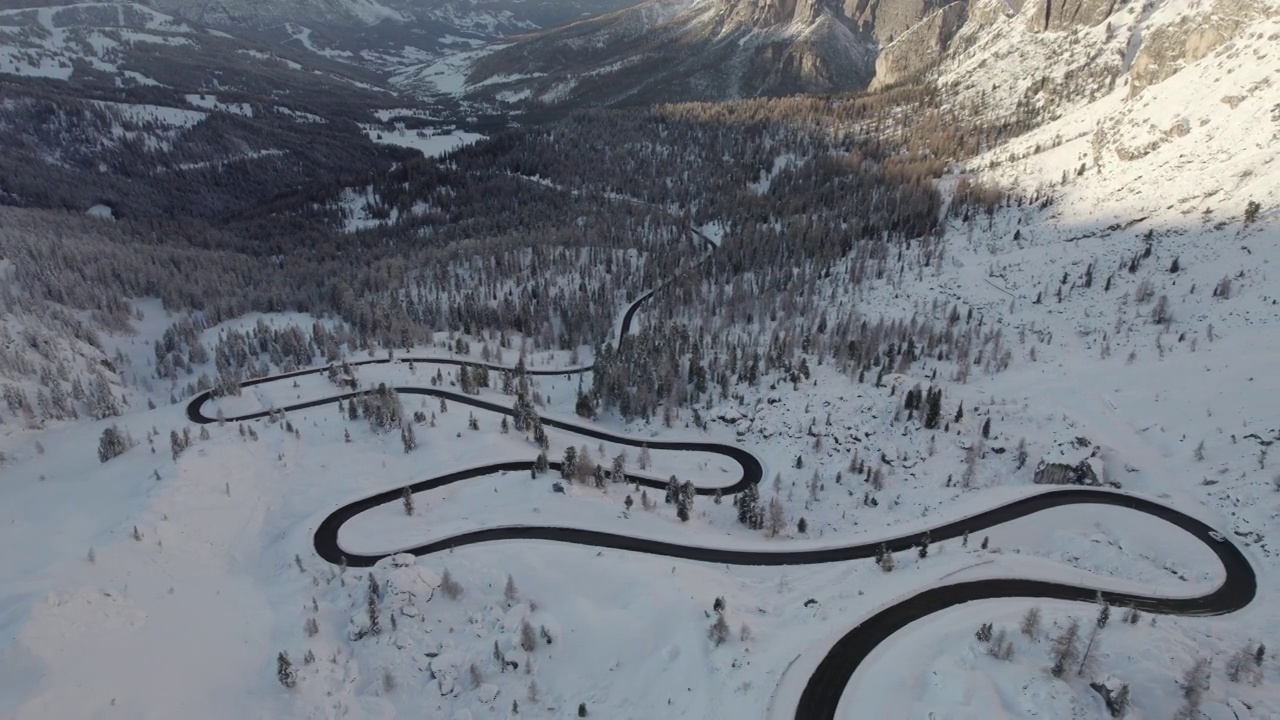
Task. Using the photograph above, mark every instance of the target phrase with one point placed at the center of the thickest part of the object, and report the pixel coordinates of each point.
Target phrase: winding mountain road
(821, 696)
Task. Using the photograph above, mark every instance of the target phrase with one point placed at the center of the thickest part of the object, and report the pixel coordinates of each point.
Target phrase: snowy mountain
(298, 425)
(671, 51)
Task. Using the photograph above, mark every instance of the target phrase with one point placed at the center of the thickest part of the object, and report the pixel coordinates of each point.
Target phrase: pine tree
(451, 588)
(407, 437)
(802, 527)
(749, 511)
(407, 497)
(1065, 649)
(777, 517)
(1194, 682)
(885, 559)
(374, 593)
(113, 443)
(285, 673)
(569, 466)
(719, 631)
(1031, 622)
(933, 411)
(528, 639)
(511, 593)
(618, 472)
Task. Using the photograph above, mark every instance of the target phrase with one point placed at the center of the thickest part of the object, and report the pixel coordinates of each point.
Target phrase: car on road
(1217, 536)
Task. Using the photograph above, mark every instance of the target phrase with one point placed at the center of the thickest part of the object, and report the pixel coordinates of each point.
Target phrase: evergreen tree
(407, 497)
(777, 517)
(719, 631)
(112, 443)
(749, 510)
(1065, 649)
(285, 672)
(933, 411)
(569, 466)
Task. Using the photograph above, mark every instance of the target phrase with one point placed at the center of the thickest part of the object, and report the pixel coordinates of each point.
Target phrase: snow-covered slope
(1129, 280)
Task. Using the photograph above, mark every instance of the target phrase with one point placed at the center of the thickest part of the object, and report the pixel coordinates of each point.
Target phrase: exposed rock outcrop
(1060, 15)
(1169, 48)
(920, 48)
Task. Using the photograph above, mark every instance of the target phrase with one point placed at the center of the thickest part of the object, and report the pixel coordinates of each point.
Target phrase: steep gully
(821, 696)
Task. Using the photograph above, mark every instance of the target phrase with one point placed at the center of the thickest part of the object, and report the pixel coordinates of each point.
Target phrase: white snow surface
(188, 620)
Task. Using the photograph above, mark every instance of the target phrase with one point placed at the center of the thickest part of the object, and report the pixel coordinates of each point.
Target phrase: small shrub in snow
(1251, 210)
(984, 633)
(311, 627)
(582, 710)
(744, 632)
(475, 676)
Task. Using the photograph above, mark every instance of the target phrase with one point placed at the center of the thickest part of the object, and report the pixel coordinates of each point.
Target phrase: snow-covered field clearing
(424, 141)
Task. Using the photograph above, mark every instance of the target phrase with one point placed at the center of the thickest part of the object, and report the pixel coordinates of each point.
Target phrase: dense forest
(546, 231)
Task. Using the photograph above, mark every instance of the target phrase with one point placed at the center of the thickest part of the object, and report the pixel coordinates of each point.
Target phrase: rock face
(1170, 48)
(712, 50)
(675, 50)
(1060, 15)
(920, 48)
